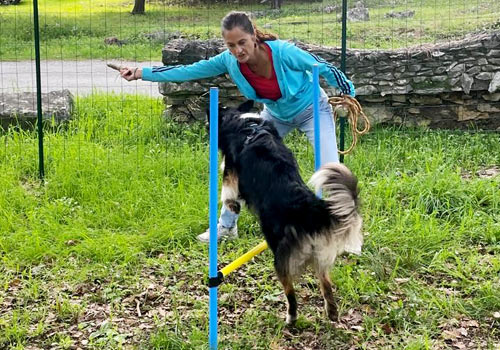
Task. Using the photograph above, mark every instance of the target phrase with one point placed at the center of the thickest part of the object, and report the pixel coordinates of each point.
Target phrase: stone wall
(453, 85)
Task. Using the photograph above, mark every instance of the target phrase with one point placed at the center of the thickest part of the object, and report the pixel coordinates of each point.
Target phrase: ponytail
(242, 20)
(261, 37)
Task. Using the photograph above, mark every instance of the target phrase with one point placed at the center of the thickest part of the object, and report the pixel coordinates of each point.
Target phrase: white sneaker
(222, 233)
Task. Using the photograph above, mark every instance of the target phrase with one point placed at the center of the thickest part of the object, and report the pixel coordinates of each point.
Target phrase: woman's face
(240, 44)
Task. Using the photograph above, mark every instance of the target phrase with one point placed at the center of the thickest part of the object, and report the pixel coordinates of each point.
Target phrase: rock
(456, 69)
(330, 9)
(466, 81)
(187, 87)
(197, 106)
(399, 98)
(183, 51)
(21, 108)
(415, 68)
(400, 14)
(366, 90)
(484, 76)
(162, 36)
(490, 68)
(384, 76)
(486, 107)
(378, 114)
(495, 83)
(114, 41)
(440, 70)
(493, 53)
(425, 100)
(429, 91)
(494, 97)
(358, 13)
(466, 114)
(474, 70)
(439, 78)
(437, 54)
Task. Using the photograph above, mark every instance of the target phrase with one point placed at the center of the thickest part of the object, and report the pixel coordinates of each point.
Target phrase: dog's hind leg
(282, 267)
(291, 315)
(327, 292)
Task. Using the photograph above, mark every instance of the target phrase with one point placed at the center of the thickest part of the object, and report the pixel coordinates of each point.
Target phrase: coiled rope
(343, 105)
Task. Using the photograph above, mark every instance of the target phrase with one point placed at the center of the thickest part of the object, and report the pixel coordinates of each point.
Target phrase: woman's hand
(131, 73)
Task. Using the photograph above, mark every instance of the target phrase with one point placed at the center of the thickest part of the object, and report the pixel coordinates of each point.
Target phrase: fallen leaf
(387, 328)
(450, 335)
(401, 280)
(459, 345)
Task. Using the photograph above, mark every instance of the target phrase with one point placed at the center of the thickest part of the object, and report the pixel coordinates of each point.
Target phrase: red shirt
(265, 88)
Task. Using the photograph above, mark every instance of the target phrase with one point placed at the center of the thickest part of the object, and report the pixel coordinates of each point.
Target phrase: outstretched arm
(198, 70)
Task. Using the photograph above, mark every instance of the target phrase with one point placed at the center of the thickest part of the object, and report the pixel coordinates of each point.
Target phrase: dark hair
(243, 21)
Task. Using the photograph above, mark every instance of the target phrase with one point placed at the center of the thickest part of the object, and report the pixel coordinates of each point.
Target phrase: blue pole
(317, 130)
(212, 248)
(317, 141)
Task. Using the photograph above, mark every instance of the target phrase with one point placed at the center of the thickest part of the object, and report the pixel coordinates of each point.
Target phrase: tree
(276, 4)
(139, 7)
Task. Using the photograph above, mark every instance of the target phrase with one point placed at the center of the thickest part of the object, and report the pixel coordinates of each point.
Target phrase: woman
(267, 70)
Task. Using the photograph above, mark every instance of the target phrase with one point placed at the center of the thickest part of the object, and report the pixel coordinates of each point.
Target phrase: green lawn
(104, 255)
(76, 29)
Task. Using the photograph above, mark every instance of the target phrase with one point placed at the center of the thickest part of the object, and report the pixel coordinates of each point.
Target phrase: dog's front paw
(290, 319)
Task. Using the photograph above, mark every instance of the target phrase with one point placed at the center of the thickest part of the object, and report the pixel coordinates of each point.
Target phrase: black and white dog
(300, 228)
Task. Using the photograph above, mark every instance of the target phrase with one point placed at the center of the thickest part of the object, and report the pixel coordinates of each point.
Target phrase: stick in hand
(115, 66)
(125, 72)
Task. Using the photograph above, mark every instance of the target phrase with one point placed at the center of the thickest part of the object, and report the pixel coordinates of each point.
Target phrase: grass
(76, 29)
(103, 255)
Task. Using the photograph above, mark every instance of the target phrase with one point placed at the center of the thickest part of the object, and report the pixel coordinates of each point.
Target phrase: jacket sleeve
(198, 70)
(299, 59)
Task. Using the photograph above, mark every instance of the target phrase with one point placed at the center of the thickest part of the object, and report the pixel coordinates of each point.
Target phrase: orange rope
(354, 112)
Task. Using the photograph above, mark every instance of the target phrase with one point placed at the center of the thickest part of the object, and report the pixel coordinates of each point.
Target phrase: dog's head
(235, 126)
(226, 114)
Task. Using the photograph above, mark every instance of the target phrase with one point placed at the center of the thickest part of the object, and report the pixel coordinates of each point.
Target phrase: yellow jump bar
(244, 258)
(215, 281)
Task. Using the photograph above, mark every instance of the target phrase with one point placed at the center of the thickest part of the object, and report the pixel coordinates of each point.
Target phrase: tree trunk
(139, 7)
(276, 4)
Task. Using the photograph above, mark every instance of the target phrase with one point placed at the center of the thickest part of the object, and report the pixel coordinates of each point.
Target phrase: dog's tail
(340, 187)
(340, 191)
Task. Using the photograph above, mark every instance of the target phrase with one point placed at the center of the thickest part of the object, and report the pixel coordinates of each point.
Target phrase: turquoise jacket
(293, 68)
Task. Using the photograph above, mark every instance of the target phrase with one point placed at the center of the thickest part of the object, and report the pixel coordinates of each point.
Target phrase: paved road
(80, 77)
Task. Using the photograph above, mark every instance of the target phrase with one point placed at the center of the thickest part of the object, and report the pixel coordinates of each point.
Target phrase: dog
(300, 228)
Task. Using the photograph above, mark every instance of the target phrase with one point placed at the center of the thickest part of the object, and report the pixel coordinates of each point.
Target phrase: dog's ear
(222, 111)
(245, 106)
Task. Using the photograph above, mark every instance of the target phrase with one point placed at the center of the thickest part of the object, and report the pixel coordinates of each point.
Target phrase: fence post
(342, 68)
(38, 90)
